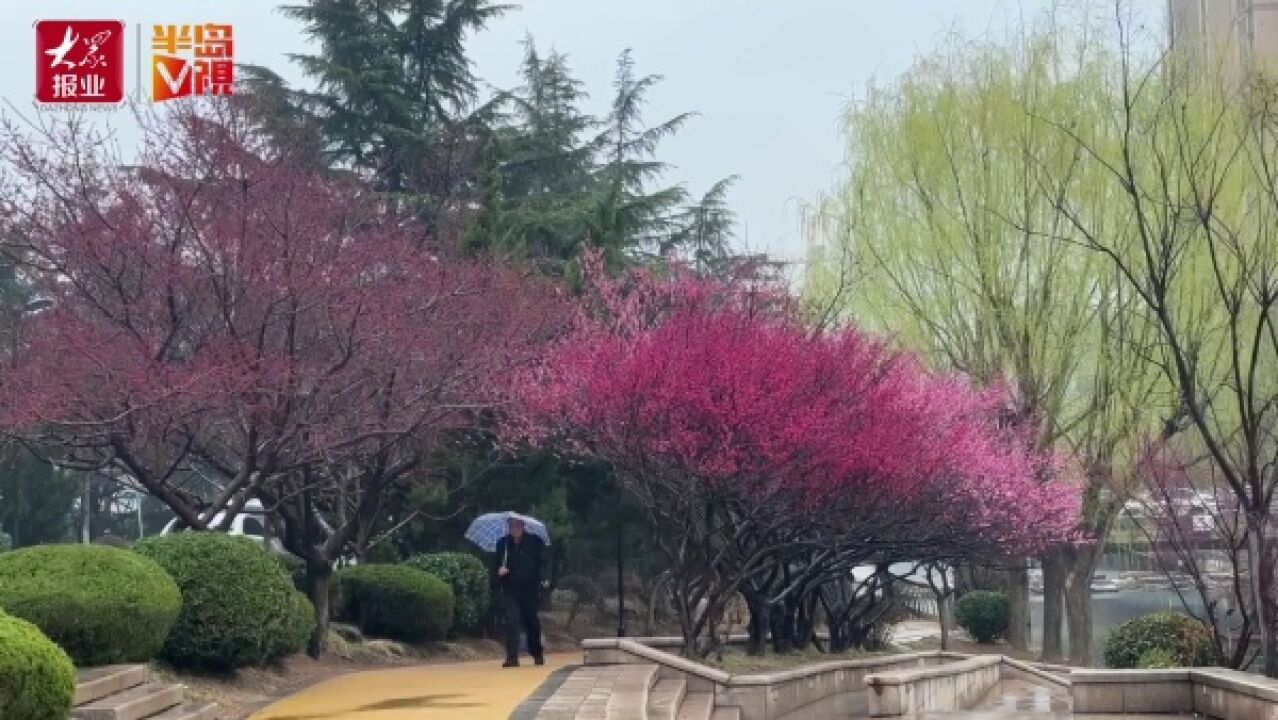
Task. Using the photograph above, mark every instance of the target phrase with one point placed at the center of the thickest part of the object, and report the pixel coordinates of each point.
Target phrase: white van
(249, 523)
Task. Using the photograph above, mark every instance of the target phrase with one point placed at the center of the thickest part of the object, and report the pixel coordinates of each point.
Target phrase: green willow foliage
(948, 233)
(1097, 226)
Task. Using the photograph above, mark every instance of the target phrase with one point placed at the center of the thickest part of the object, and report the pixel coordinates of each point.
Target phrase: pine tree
(704, 232)
(394, 97)
(627, 216)
(537, 170)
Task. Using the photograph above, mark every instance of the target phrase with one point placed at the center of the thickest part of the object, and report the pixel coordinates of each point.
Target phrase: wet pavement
(478, 690)
(1020, 700)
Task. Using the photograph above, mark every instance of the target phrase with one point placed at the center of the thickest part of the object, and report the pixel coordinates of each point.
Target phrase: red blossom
(725, 389)
(226, 306)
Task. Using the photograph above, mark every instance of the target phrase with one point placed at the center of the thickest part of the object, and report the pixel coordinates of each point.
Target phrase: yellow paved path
(478, 690)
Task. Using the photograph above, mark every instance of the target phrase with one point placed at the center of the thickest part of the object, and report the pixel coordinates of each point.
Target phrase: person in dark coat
(520, 569)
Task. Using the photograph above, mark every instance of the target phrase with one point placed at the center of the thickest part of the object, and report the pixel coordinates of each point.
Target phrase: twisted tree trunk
(1055, 572)
(1017, 588)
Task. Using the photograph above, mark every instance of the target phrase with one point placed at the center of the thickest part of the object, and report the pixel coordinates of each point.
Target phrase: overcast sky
(770, 78)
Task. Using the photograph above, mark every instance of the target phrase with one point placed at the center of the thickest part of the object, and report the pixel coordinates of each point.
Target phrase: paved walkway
(1020, 700)
(479, 690)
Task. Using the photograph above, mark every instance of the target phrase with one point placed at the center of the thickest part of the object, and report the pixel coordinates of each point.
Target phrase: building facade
(1227, 35)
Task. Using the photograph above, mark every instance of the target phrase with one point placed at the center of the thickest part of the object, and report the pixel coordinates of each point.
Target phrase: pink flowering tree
(771, 457)
(229, 323)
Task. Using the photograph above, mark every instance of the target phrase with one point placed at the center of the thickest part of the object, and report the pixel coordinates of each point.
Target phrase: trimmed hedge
(102, 605)
(1157, 659)
(393, 601)
(984, 614)
(37, 679)
(297, 627)
(239, 608)
(1161, 639)
(468, 578)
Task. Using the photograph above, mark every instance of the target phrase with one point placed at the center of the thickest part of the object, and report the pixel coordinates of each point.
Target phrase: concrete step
(696, 706)
(132, 704)
(726, 713)
(96, 683)
(190, 711)
(630, 689)
(665, 698)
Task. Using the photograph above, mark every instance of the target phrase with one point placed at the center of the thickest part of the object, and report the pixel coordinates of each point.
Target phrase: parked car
(249, 523)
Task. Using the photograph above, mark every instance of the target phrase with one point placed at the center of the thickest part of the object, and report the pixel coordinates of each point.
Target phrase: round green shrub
(393, 601)
(238, 606)
(1157, 659)
(1171, 638)
(468, 578)
(102, 605)
(37, 679)
(297, 626)
(984, 614)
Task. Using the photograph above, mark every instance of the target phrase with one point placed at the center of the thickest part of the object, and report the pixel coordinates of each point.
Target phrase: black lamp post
(621, 582)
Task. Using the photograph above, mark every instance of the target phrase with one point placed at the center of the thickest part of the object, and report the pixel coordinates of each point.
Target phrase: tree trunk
(942, 617)
(758, 626)
(687, 619)
(317, 580)
(803, 624)
(86, 514)
(1017, 588)
(1261, 577)
(1078, 601)
(1054, 575)
(782, 628)
(1078, 613)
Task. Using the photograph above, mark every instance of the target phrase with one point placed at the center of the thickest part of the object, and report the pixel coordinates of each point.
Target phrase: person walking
(520, 569)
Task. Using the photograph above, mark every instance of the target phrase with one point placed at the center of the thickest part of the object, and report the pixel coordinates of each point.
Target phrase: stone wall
(758, 696)
(1214, 692)
(953, 686)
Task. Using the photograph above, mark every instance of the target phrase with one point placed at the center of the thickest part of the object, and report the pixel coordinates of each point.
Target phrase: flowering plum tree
(229, 323)
(756, 442)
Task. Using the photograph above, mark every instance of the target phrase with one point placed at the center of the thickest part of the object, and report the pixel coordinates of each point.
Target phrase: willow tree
(943, 227)
(1191, 154)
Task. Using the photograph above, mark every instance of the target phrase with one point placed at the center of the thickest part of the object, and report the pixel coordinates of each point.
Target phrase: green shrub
(983, 614)
(297, 626)
(467, 577)
(1172, 638)
(238, 606)
(393, 601)
(37, 679)
(6, 542)
(1157, 659)
(102, 605)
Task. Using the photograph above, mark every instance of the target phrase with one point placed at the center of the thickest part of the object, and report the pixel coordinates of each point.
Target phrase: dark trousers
(521, 613)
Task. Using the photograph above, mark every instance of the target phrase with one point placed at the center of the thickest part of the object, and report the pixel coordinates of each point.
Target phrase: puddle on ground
(1019, 695)
(1012, 700)
(1020, 700)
